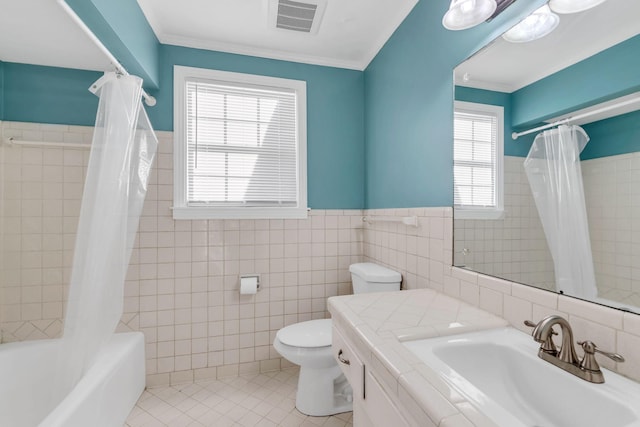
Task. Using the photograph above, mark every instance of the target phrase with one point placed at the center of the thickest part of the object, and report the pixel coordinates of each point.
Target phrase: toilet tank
(370, 277)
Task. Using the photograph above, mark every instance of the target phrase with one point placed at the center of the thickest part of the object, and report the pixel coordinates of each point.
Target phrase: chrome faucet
(566, 358)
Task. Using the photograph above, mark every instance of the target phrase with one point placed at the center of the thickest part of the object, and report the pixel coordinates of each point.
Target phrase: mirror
(589, 62)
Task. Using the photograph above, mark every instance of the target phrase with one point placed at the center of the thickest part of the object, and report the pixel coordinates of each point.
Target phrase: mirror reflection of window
(478, 161)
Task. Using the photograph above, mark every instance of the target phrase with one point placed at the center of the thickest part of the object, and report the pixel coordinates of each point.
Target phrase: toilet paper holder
(252, 276)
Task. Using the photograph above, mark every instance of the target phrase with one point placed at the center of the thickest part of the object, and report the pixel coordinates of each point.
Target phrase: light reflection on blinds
(474, 159)
(241, 145)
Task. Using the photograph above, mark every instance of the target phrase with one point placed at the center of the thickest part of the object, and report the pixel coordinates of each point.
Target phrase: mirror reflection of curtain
(553, 170)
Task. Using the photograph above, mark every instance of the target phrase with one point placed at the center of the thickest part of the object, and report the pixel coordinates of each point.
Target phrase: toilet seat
(310, 334)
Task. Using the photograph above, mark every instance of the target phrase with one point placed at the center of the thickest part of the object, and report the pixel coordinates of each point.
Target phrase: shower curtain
(553, 170)
(122, 152)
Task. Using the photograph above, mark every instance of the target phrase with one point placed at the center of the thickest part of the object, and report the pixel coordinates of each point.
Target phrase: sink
(498, 371)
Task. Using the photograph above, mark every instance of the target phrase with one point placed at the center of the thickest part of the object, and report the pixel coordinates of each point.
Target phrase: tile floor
(252, 400)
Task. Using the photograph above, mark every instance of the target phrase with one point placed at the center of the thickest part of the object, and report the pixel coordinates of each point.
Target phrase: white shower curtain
(122, 152)
(555, 177)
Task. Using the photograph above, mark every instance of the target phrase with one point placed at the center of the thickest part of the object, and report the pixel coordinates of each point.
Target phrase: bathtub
(103, 398)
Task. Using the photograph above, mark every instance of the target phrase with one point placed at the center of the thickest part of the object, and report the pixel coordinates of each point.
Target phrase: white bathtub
(103, 397)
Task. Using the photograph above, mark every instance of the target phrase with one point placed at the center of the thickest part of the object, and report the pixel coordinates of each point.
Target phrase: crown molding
(240, 49)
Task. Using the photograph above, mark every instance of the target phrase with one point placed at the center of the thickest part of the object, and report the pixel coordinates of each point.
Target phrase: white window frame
(181, 209)
(497, 211)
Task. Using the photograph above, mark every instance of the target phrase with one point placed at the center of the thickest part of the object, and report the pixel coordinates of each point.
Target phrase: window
(478, 160)
(240, 146)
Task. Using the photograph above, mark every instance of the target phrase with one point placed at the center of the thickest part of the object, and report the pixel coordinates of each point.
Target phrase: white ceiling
(40, 32)
(506, 67)
(350, 34)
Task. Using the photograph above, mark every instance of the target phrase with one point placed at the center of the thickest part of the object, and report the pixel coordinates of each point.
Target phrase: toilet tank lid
(312, 333)
(375, 273)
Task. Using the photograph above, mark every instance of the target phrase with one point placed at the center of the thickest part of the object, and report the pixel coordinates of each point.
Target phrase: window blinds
(474, 159)
(241, 145)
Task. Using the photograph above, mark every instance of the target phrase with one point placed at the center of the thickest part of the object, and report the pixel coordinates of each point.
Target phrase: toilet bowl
(322, 388)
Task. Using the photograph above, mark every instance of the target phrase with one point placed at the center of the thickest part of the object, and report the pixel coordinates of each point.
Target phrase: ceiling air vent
(297, 16)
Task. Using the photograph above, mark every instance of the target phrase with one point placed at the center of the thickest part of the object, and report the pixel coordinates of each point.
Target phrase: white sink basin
(499, 372)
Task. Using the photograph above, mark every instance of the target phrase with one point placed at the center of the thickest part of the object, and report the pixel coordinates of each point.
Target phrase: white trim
(475, 84)
(496, 212)
(185, 212)
(471, 213)
(383, 33)
(181, 210)
(240, 49)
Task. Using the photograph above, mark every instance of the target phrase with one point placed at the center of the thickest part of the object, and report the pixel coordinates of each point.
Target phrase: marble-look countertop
(377, 323)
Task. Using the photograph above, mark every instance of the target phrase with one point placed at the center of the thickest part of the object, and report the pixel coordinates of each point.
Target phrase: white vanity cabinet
(372, 406)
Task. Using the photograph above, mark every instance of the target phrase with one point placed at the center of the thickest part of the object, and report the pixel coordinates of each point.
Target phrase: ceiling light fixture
(535, 26)
(573, 6)
(463, 14)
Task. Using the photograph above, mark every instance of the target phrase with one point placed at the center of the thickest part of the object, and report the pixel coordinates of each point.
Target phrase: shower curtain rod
(515, 135)
(148, 99)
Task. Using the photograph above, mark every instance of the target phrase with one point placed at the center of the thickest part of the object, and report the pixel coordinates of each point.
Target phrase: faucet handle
(548, 346)
(589, 361)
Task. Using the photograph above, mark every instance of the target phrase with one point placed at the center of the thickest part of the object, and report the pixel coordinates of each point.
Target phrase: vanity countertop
(377, 323)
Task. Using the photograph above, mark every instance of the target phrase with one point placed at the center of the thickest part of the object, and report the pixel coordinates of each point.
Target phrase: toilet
(322, 388)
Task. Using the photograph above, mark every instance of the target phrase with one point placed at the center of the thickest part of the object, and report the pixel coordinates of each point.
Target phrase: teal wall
(335, 118)
(49, 95)
(580, 85)
(610, 137)
(124, 30)
(614, 136)
(1, 90)
(335, 111)
(409, 106)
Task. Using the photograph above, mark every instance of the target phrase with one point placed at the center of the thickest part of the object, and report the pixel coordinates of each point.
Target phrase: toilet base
(323, 391)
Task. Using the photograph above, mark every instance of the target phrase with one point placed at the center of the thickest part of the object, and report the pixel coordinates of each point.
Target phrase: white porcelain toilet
(322, 388)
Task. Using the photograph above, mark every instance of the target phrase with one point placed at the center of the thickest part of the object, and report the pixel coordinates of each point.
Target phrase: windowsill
(192, 212)
(489, 214)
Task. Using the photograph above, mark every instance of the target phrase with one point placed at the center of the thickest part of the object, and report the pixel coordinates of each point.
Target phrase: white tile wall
(421, 254)
(40, 207)
(181, 290)
(182, 285)
(613, 208)
(513, 247)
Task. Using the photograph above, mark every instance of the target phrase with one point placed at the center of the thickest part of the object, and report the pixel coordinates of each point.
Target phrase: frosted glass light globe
(573, 6)
(463, 14)
(535, 26)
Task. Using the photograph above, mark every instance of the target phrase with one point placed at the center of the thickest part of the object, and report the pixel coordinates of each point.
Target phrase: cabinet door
(378, 407)
(349, 362)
